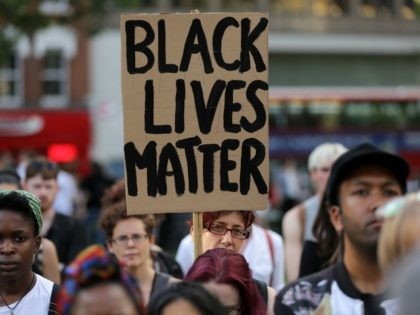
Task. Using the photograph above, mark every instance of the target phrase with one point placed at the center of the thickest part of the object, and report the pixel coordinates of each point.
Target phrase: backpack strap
(273, 260)
(53, 305)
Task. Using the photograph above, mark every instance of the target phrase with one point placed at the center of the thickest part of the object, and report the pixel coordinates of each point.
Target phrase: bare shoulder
(48, 245)
(292, 220)
(50, 263)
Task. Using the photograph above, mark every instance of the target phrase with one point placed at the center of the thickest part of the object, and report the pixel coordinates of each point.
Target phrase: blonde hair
(400, 232)
(325, 154)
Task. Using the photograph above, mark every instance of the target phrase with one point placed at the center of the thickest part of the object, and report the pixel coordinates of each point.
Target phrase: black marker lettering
(196, 31)
(188, 145)
(261, 116)
(149, 112)
(132, 47)
(208, 151)
(205, 113)
(219, 31)
(162, 65)
(169, 155)
(133, 160)
(249, 166)
(180, 106)
(231, 106)
(247, 45)
(227, 165)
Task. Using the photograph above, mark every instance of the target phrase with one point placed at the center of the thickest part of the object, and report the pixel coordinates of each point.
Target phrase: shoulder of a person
(164, 257)
(44, 283)
(315, 287)
(185, 247)
(47, 244)
(295, 214)
(164, 278)
(292, 223)
(312, 281)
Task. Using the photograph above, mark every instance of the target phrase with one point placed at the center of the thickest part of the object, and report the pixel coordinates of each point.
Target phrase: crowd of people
(349, 249)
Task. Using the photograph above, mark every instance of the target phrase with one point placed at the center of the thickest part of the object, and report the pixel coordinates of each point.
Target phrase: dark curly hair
(114, 210)
(118, 212)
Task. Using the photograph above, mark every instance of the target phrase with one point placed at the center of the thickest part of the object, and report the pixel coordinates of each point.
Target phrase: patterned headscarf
(92, 266)
(33, 201)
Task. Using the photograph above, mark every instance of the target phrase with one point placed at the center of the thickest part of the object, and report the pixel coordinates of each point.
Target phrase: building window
(11, 82)
(55, 76)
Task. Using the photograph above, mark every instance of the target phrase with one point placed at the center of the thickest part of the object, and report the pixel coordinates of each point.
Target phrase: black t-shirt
(69, 236)
(310, 261)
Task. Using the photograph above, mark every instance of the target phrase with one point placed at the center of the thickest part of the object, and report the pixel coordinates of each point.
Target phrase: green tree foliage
(25, 18)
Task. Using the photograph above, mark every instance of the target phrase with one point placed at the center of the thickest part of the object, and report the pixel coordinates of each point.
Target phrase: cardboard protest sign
(195, 97)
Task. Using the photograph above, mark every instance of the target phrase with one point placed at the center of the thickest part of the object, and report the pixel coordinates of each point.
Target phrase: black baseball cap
(364, 154)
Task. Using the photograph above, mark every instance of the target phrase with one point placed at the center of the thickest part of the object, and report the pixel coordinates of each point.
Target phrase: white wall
(105, 101)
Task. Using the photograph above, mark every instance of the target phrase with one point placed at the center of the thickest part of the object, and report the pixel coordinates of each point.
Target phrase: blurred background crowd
(341, 71)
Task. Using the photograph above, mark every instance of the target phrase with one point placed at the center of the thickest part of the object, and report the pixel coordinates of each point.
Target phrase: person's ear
(336, 218)
(192, 231)
(38, 241)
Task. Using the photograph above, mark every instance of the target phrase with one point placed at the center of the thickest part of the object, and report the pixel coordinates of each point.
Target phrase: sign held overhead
(195, 97)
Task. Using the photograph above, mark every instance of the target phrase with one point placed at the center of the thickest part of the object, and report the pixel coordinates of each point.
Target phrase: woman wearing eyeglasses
(216, 226)
(130, 239)
(229, 230)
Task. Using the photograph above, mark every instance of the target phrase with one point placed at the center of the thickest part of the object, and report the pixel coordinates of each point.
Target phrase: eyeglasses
(220, 229)
(123, 240)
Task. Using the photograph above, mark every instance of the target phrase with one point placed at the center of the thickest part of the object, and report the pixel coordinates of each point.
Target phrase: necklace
(20, 299)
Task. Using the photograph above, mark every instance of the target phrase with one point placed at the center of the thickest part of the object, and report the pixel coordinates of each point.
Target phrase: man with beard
(361, 180)
(65, 232)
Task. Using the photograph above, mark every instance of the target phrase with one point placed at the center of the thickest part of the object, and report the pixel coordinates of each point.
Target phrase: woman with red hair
(226, 274)
(216, 226)
(230, 230)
